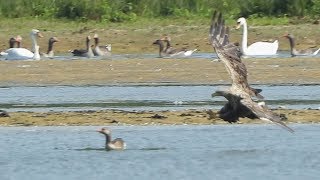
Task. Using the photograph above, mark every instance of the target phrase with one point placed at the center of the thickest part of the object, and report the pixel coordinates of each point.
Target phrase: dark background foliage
(128, 10)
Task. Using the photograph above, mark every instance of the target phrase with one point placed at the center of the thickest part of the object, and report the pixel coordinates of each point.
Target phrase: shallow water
(161, 152)
(196, 55)
(62, 98)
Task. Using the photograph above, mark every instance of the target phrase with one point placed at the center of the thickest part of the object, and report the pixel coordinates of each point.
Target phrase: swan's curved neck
(244, 45)
(34, 42)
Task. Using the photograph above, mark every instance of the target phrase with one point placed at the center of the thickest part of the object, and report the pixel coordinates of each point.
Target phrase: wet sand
(117, 117)
(149, 72)
(155, 71)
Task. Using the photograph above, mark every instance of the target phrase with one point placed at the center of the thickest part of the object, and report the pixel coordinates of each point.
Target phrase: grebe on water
(116, 144)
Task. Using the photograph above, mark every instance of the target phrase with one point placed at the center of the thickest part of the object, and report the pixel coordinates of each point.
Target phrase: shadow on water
(141, 149)
(241, 151)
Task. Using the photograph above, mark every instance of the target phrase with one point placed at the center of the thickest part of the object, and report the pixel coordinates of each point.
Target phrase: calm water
(198, 55)
(161, 152)
(61, 98)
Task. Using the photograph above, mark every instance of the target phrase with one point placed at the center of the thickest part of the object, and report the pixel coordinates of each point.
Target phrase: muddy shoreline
(119, 117)
(155, 71)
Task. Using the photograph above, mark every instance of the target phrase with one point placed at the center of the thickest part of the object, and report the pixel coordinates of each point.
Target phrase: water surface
(155, 56)
(161, 152)
(69, 98)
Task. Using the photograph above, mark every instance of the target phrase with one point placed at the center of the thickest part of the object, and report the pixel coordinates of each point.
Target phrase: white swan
(24, 54)
(258, 48)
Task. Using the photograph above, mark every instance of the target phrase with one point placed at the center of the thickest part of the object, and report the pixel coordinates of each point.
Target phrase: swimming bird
(84, 52)
(160, 43)
(50, 52)
(12, 42)
(240, 94)
(294, 52)
(98, 50)
(168, 50)
(257, 48)
(22, 53)
(116, 144)
(176, 52)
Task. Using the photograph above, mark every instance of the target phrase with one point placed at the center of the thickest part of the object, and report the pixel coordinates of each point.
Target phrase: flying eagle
(240, 94)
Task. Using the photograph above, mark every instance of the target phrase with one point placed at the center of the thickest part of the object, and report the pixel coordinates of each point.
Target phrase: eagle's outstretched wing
(240, 103)
(264, 113)
(230, 55)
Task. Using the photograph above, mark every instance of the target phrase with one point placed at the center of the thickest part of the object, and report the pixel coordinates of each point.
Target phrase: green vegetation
(130, 10)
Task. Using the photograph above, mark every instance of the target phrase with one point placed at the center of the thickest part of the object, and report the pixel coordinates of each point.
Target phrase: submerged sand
(148, 72)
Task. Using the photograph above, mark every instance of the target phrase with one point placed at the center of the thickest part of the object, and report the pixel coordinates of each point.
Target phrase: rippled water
(161, 152)
(59, 98)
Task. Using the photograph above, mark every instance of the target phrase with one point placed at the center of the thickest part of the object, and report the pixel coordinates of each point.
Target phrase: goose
(116, 144)
(239, 95)
(294, 52)
(12, 42)
(170, 51)
(257, 48)
(100, 50)
(159, 42)
(50, 52)
(22, 53)
(84, 52)
(176, 52)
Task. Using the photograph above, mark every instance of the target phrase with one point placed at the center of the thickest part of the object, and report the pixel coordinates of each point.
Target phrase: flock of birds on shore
(241, 96)
(16, 52)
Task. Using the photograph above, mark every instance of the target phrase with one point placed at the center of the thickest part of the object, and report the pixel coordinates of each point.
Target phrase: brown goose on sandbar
(116, 144)
(239, 95)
